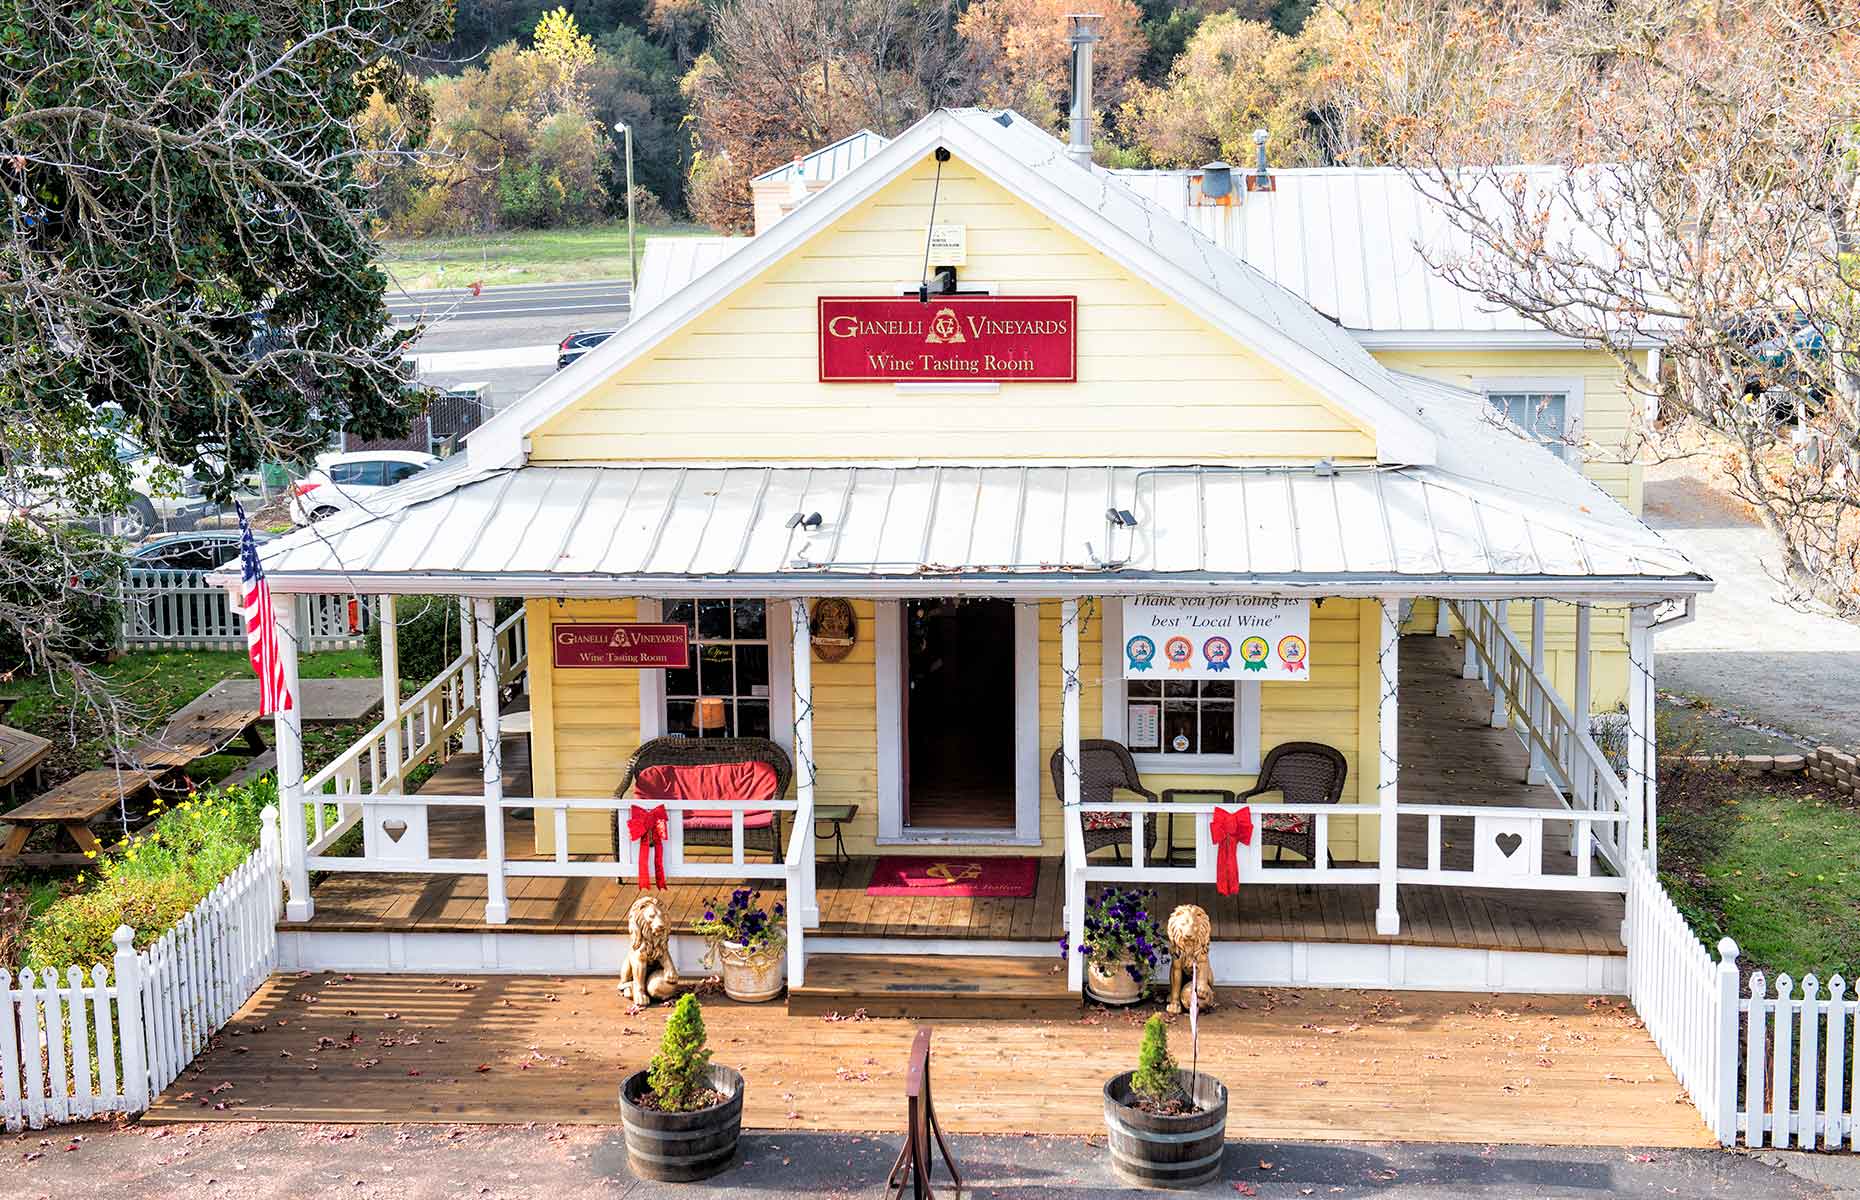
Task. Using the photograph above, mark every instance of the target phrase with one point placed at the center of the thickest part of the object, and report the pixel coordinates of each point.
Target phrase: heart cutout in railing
(394, 827)
(1509, 843)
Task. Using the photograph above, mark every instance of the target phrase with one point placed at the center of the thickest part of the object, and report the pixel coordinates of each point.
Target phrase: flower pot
(679, 1147)
(1153, 1150)
(750, 975)
(1112, 985)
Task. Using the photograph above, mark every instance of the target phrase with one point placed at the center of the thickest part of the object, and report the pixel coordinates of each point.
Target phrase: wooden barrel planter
(1170, 1152)
(680, 1147)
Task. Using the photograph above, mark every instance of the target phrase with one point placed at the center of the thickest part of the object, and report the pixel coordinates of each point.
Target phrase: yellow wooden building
(1016, 420)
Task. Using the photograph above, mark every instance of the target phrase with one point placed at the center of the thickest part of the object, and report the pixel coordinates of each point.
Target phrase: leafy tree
(677, 1075)
(1018, 57)
(635, 80)
(1155, 1077)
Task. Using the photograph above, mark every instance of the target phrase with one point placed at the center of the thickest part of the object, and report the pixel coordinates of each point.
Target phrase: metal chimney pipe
(1260, 138)
(1081, 32)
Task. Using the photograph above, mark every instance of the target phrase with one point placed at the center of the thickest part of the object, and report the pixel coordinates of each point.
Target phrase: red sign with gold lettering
(952, 338)
(637, 646)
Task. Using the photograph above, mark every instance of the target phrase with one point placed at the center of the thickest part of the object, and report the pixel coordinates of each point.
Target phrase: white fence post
(131, 1025)
(1724, 1075)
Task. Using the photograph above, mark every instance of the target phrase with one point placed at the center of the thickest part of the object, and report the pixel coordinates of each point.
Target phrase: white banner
(1217, 637)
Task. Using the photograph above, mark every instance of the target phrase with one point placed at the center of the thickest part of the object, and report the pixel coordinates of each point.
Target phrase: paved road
(416, 1162)
(506, 336)
(1748, 651)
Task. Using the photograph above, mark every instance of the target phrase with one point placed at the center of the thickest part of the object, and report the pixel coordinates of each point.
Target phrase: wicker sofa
(701, 752)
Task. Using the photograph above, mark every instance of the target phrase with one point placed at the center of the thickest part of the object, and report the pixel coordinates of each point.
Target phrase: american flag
(261, 630)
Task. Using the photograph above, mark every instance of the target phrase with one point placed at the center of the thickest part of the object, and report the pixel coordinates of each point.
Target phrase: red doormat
(953, 875)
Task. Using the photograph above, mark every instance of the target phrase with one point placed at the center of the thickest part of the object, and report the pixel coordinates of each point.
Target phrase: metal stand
(914, 1160)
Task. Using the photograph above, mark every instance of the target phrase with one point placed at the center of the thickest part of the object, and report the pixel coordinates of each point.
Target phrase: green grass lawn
(521, 256)
(1775, 864)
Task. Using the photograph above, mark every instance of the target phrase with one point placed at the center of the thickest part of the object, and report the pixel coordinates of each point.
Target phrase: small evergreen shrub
(677, 1076)
(1156, 1070)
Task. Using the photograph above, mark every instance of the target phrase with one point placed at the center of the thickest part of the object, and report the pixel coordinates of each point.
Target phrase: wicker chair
(1105, 767)
(1306, 773)
(703, 752)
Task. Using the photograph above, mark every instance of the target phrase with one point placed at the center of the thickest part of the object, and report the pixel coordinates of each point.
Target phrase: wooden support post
(1069, 752)
(1501, 624)
(484, 636)
(1640, 732)
(802, 644)
(1537, 711)
(1388, 743)
(391, 778)
(468, 682)
(288, 736)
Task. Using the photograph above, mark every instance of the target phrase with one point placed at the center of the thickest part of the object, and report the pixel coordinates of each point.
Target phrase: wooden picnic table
(208, 724)
(72, 806)
(20, 756)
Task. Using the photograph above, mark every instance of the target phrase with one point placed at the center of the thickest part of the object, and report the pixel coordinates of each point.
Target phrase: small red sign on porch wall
(1021, 339)
(635, 646)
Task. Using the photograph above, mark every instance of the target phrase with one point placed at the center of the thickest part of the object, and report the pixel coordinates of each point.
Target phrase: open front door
(958, 714)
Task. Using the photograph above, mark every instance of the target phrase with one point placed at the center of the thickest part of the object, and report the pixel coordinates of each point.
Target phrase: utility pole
(632, 253)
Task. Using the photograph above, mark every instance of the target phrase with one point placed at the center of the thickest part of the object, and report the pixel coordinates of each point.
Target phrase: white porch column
(288, 734)
(1583, 698)
(390, 695)
(1443, 618)
(1069, 753)
(1388, 743)
(468, 683)
(1469, 615)
(490, 743)
(1539, 714)
(802, 644)
(1501, 618)
(1640, 732)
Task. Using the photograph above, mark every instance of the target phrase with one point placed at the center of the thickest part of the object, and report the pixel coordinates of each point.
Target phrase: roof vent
(1261, 178)
(1081, 32)
(1217, 185)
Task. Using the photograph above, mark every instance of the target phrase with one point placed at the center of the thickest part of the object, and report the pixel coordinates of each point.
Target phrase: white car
(340, 482)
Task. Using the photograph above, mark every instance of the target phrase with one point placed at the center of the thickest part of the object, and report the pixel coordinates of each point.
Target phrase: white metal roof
(1089, 201)
(671, 262)
(1504, 517)
(829, 162)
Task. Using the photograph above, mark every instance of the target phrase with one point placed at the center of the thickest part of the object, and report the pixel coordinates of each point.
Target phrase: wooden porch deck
(1450, 754)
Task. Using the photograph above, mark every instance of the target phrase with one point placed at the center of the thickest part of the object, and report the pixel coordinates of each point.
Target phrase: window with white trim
(1549, 411)
(725, 692)
(1179, 725)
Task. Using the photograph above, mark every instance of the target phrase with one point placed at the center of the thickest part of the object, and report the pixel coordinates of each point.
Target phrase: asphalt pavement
(414, 1162)
(505, 336)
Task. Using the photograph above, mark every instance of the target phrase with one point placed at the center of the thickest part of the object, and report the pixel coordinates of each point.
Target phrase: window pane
(1217, 727)
(1182, 688)
(1144, 687)
(1540, 414)
(678, 612)
(681, 717)
(1179, 732)
(1221, 689)
(752, 670)
(713, 619)
(751, 619)
(752, 718)
(714, 674)
(681, 681)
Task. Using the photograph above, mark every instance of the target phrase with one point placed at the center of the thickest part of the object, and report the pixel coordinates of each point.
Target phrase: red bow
(1229, 831)
(647, 827)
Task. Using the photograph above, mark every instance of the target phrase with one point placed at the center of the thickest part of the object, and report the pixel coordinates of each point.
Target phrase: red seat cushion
(1106, 820)
(712, 781)
(1287, 822)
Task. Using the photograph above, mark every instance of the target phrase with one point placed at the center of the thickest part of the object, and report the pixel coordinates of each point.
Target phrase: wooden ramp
(1324, 1065)
(905, 985)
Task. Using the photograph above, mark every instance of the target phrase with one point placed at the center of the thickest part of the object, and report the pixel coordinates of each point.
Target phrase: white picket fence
(1801, 1087)
(77, 1044)
(167, 609)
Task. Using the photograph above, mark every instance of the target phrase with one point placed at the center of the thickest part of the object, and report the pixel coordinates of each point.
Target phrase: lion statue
(648, 973)
(1188, 931)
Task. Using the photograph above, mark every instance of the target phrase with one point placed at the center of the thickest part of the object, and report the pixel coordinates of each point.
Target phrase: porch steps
(910, 985)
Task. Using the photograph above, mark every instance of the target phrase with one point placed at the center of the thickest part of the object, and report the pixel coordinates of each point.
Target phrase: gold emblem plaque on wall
(834, 630)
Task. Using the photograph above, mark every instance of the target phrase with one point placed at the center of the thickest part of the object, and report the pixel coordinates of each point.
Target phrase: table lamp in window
(709, 716)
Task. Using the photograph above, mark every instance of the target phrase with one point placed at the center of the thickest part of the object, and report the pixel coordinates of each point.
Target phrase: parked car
(579, 343)
(159, 495)
(201, 550)
(343, 481)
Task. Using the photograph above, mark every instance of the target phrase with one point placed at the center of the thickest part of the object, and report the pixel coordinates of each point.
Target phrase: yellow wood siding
(584, 721)
(1155, 381)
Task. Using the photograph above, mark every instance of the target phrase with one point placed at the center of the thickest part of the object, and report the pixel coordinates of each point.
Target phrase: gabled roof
(829, 162)
(1355, 243)
(1088, 201)
(671, 262)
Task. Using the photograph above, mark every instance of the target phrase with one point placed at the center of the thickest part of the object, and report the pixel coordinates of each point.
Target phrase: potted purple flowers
(748, 942)
(1122, 945)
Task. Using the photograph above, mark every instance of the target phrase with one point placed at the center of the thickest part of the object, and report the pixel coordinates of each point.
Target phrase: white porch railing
(75, 1045)
(421, 729)
(169, 609)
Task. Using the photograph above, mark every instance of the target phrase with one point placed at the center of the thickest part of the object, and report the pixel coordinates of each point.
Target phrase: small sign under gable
(1217, 637)
(1024, 339)
(949, 245)
(631, 645)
